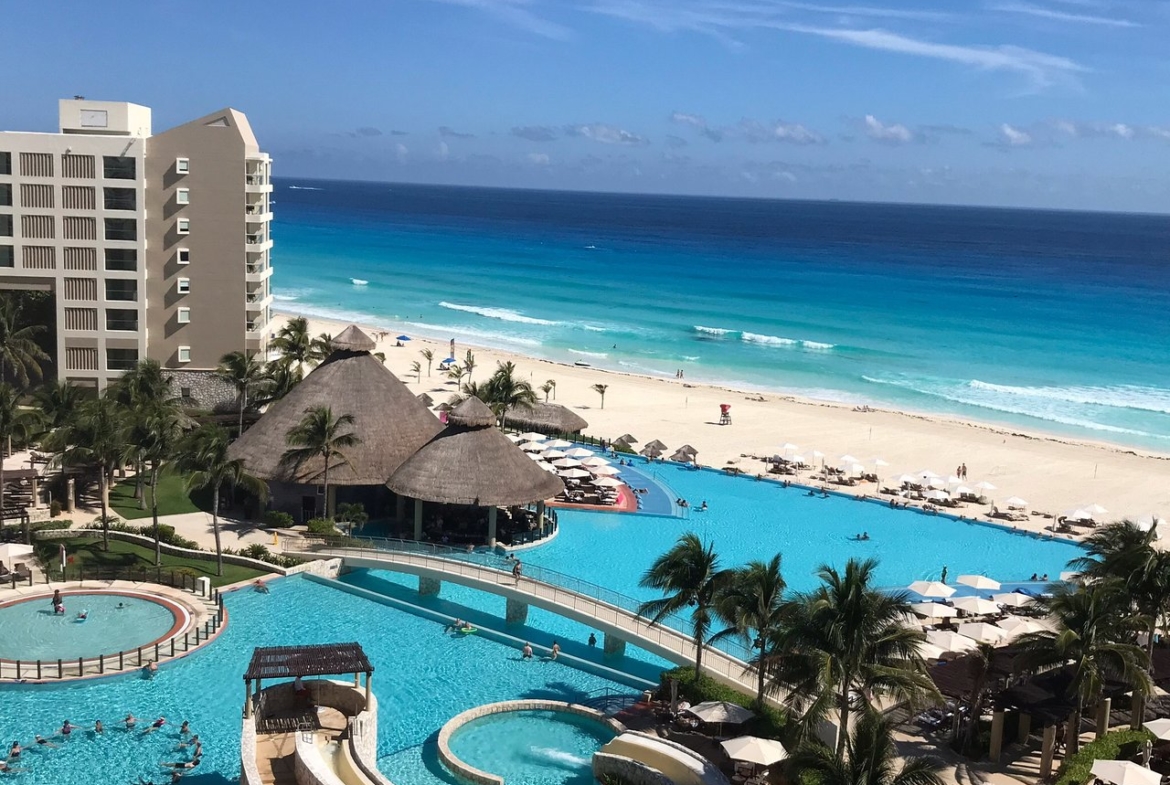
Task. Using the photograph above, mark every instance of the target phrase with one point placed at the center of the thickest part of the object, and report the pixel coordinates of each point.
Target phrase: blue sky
(1056, 103)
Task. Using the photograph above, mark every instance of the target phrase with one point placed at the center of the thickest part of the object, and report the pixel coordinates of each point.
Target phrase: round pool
(533, 747)
(114, 622)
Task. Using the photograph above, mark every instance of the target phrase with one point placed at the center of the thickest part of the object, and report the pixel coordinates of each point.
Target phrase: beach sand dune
(1053, 474)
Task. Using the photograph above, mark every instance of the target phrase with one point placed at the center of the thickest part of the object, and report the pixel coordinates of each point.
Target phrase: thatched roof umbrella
(444, 407)
(682, 457)
(627, 438)
(656, 445)
(688, 449)
(471, 462)
(546, 417)
(391, 423)
(427, 400)
(650, 452)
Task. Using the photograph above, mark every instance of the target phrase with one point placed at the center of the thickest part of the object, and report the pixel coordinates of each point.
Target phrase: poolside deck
(275, 752)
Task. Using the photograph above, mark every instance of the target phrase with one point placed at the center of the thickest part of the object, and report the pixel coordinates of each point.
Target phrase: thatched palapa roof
(391, 423)
(472, 462)
(546, 418)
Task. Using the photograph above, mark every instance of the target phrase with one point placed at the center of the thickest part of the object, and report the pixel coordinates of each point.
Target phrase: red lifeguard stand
(725, 414)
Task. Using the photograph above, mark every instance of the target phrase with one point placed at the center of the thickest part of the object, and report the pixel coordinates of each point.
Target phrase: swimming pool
(423, 678)
(114, 622)
(532, 747)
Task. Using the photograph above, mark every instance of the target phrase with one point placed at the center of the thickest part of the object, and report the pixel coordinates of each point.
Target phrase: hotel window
(118, 168)
(5, 163)
(119, 289)
(183, 285)
(5, 225)
(182, 165)
(183, 196)
(120, 198)
(121, 319)
(184, 316)
(184, 256)
(121, 359)
(184, 226)
(122, 259)
(184, 354)
(7, 256)
(5, 194)
(121, 229)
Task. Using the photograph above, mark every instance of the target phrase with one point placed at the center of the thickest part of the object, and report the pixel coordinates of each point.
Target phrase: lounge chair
(22, 571)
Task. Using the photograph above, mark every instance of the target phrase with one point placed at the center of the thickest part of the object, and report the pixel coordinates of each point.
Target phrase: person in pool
(155, 725)
(98, 727)
(15, 750)
(130, 721)
(556, 650)
(83, 614)
(185, 728)
(260, 586)
(527, 651)
(7, 769)
(182, 764)
(57, 598)
(41, 740)
(66, 728)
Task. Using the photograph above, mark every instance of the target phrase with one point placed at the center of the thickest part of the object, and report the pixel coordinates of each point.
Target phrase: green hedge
(769, 722)
(1112, 746)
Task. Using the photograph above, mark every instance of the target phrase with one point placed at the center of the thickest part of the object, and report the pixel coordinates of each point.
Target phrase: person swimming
(98, 727)
(66, 728)
(83, 614)
(526, 652)
(185, 728)
(130, 721)
(41, 740)
(260, 586)
(161, 721)
(556, 650)
(15, 750)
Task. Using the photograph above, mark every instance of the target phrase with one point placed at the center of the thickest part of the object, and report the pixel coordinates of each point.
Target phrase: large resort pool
(425, 676)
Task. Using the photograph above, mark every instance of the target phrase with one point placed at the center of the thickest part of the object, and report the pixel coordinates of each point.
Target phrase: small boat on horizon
(581, 364)
(359, 281)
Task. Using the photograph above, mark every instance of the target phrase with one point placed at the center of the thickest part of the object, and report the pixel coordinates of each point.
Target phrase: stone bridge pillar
(996, 736)
(613, 646)
(492, 527)
(429, 587)
(399, 507)
(1047, 749)
(1025, 727)
(516, 612)
(418, 519)
(1104, 709)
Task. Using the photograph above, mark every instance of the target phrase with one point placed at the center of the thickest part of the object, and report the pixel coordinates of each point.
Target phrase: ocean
(1057, 322)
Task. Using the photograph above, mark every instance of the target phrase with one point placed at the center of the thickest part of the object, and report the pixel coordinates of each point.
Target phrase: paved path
(235, 534)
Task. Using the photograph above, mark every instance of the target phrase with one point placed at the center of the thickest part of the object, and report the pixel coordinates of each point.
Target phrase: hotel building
(153, 245)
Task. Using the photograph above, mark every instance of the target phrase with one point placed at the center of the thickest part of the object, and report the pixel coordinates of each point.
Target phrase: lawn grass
(88, 552)
(173, 498)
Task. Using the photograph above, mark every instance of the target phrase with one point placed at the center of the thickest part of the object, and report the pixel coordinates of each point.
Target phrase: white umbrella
(878, 462)
(983, 632)
(931, 589)
(1015, 503)
(928, 651)
(953, 480)
(602, 471)
(594, 461)
(848, 459)
(751, 749)
(977, 582)
(1124, 772)
(566, 463)
(937, 496)
(535, 456)
(950, 641)
(789, 447)
(984, 485)
(1012, 599)
(853, 469)
(721, 711)
(607, 482)
(934, 610)
(532, 436)
(909, 479)
(1147, 522)
(1015, 626)
(573, 474)
(797, 458)
(559, 444)
(1096, 509)
(1160, 728)
(514, 437)
(927, 474)
(532, 447)
(548, 467)
(975, 605)
(579, 452)
(13, 550)
(962, 490)
(552, 455)
(935, 482)
(817, 454)
(1079, 515)
(1070, 576)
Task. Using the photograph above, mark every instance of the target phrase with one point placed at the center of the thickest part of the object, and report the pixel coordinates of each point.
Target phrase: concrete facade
(109, 217)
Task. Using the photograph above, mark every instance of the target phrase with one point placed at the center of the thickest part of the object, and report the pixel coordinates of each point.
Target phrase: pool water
(31, 631)
(422, 678)
(533, 747)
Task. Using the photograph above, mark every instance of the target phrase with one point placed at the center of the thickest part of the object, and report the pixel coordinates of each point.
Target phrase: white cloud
(1062, 16)
(606, 134)
(779, 131)
(699, 122)
(538, 159)
(891, 134)
(1097, 130)
(515, 13)
(400, 152)
(1014, 137)
(443, 151)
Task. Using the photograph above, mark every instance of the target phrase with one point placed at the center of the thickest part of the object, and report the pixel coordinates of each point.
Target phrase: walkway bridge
(595, 606)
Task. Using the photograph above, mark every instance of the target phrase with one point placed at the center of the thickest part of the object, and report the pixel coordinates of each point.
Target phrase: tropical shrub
(277, 519)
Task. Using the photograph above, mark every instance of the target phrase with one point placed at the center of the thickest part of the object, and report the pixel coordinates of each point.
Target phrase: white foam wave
(716, 331)
(484, 337)
(818, 345)
(770, 340)
(598, 355)
(691, 357)
(761, 339)
(285, 298)
(503, 314)
(593, 328)
(559, 756)
(304, 188)
(1150, 399)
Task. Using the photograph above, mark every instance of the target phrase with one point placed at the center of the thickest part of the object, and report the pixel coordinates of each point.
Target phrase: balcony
(255, 216)
(257, 184)
(257, 273)
(255, 243)
(258, 302)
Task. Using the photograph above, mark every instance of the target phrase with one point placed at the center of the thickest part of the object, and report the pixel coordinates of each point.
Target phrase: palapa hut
(546, 418)
(390, 422)
(468, 467)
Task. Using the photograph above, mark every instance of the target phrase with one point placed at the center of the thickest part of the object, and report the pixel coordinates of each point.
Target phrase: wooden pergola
(321, 659)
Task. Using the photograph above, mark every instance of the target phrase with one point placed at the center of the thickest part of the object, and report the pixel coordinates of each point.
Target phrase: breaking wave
(760, 339)
(503, 314)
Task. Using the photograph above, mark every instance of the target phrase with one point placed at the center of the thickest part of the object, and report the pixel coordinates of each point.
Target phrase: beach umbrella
(1160, 728)
(817, 454)
(752, 749)
(688, 449)
(853, 469)
(681, 457)
(558, 444)
(927, 474)
(1070, 576)
(878, 462)
(938, 483)
(797, 458)
(602, 471)
(848, 459)
(532, 447)
(721, 712)
(1124, 772)
(962, 490)
(928, 651)
(403, 338)
(512, 437)
(950, 641)
(976, 605)
(934, 610)
(907, 479)
(1096, 509)
(444, 407)
(427, 400)
(984, 485)
(953, 480)
(535, 456)
(931, 589)
(650, 452)
(655, 445)
(1015, 503)
(627, 438)
(789, 447)
(449, 361)
(566, 463)
(579, 452)
(983, 632)
(548, 467)
(1079, 515)
(1012, 599)
(532, 436)
(607, 482)
(13, 550)
(594, 461)
(937, 495)
(552, 455)
(1016, 626)
(573, 474)
(1147, 522)
(977, 582)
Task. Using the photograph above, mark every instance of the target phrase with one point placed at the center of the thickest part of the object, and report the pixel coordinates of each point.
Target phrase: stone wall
(627, 770)
(207, 391)
(170, 550)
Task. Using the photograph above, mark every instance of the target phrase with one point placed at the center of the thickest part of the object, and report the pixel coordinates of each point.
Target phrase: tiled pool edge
(480, 777)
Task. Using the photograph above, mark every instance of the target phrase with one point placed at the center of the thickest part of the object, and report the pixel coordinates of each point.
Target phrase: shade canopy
(934, 610)
(1124, 772)
(983, 632)
(650, 452)
(391, 423)
(950, 641)
(752, 749)
(427, 400)
(627, 438)
(931, 589)
(655, 445)
(978, 582)
(322, 659)
(1160, 728)
(688, 449)
(579, 452)
(532, 436)
(1015, 503)
(558, 444)
(573, 474)
(595, 461)
(721, 711)
(1016, 626)
(608, 482)
(550, 417)
(10, 551)
(682, 457)
(472, 462)
(975, 605)
(1012, 599)
(603, 471)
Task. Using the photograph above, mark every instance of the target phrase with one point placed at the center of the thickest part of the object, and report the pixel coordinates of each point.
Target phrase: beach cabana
(627, 438)
(655, 445)
(546, 418)
(650, 452)
(390, 421)
(427, 400)
(471, 464)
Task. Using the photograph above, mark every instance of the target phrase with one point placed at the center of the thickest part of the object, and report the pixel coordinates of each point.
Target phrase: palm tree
(1088, 626)
(293, 342)
(546, 388)
(456, 372)
(19, 351)
(243, 372)
(58, 402)
(978, 665)
(278, 381)
(469, 363)
(205, 457)
(429, 356)
(319, 433)
(753, 605)
(15, 421)
(416, 369)
(155, 434)
(868, 757)
(507, 392)
(847, 642)
(320, 348)
(139, 390)
(600, 390)
(96, 437)
(553, 384)
(689, 575)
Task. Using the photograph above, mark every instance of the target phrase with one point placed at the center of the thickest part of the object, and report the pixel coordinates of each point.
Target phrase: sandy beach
(1053, 474)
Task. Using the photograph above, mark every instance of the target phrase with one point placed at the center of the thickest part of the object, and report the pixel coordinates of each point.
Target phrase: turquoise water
(532, 747)
(422, 679)
(1044, 320)
(31, 631)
